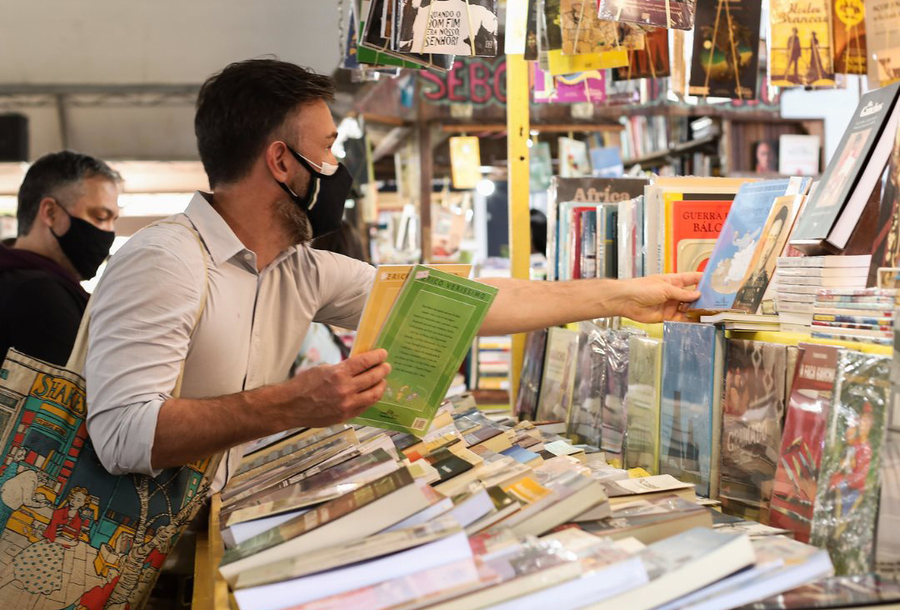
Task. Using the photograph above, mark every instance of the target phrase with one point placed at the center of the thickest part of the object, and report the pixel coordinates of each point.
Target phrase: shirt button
(248, 257)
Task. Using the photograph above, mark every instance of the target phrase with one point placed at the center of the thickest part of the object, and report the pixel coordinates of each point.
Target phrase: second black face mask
(85, 245)
(325, 198)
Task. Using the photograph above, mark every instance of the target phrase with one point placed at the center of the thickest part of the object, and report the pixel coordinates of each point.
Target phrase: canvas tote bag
(71, 534)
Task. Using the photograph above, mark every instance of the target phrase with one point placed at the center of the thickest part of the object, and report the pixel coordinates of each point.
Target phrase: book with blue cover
(690, 408)
(740, 238)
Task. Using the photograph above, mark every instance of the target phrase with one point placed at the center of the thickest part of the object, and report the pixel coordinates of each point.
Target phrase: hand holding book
(330, 394)
(656, 298)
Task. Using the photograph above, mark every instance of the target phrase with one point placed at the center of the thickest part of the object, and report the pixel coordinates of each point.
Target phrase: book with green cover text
(427, 334)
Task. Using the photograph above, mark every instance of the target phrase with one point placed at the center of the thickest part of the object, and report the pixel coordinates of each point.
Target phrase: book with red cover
(794, 492)
(695, 227)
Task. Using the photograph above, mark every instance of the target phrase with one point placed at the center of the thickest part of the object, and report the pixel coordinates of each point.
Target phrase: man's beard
(294, 220)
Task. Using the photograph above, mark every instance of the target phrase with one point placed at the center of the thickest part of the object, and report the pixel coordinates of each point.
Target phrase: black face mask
(325, 198)
(85, 245)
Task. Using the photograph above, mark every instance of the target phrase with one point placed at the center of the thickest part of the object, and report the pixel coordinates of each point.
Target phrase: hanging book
(677, 14)
(454, 27)
(569, 89)
(583, 32)
(882, 25)
(850, 478)
(465, 162)
(849, 37)
(650, 62)
(726, 49)
(376, 50)
(800, 46)
(540, 166)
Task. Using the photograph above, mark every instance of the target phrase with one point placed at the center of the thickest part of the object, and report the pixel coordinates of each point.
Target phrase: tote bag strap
(79, 351)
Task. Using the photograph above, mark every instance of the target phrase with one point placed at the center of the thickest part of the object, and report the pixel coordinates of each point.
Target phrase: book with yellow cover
(388, 282)
(465, 162)
(800, 44)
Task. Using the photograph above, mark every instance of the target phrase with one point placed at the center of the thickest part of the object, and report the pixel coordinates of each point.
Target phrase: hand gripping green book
(427, 334)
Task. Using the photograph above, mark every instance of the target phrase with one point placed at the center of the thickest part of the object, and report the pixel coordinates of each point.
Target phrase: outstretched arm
(523, 305)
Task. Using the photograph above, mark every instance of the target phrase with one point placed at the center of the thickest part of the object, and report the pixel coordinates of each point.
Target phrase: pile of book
(764, 428)
(798, 282)
(483, 512)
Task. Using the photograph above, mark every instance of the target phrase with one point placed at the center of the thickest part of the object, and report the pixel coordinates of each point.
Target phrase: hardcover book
(642, 404)
(452, 27)
(427, 335)
(849, 36)
(607, 241)
(850, 476)
(800, 45)
(558, 383)
(690, 409)
(650, 62)
(735, 250)
(726, 49)
(882, 24)
(587, 250)
(753, 409)
(832, 213)
(573, 158)
(677, 14)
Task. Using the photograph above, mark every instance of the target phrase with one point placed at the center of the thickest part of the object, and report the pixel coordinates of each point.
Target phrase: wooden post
(518, 130)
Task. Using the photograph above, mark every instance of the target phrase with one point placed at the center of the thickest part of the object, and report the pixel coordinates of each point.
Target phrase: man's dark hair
(52, 172)
(239, 108)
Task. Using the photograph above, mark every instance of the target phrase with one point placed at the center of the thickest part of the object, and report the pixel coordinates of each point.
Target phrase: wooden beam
(384, 119)
(518, 133)
(496, 127)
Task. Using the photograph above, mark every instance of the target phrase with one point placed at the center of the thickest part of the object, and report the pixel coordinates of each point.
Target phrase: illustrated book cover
(725, 61)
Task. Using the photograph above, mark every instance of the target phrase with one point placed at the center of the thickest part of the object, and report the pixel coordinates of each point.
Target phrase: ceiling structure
(119, 79)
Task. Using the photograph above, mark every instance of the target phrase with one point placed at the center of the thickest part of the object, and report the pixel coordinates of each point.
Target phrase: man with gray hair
(66, 214)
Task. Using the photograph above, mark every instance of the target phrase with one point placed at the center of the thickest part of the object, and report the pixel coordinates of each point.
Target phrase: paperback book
(882, 23)
(427, 334)
(452, 27)
(849, 37)
(740, 239)
(650, 62)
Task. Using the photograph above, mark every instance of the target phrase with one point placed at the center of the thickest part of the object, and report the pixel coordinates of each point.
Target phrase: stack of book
(864, 315)
(798, 280)
(482, 513)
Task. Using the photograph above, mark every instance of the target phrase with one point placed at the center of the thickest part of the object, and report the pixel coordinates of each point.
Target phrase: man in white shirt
(265, 133)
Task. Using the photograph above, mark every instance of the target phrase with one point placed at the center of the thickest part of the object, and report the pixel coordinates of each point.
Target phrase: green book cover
(427, 335)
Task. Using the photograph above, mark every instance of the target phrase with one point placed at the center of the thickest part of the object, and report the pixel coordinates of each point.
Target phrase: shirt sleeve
(42, 319)
(142, 315)
(344, 284)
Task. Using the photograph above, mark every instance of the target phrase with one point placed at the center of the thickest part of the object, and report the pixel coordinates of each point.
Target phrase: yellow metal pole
(517, 129)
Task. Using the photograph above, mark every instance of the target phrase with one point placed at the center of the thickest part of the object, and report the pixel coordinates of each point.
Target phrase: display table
(210, 590)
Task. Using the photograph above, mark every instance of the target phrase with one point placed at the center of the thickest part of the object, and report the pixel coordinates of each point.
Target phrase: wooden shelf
(677, 150)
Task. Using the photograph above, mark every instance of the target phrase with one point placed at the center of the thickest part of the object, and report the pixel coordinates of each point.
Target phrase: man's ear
(277, 161)
(48, 210)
